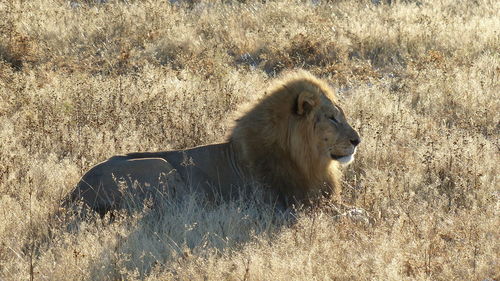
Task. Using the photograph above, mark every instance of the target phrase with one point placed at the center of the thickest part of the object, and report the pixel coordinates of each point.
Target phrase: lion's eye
(333, 119)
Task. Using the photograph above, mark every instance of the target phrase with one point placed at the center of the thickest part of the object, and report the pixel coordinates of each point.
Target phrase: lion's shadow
(165, 228)
(162, 230)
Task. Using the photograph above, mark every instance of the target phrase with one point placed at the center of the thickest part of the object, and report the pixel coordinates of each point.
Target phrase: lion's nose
(355, 141)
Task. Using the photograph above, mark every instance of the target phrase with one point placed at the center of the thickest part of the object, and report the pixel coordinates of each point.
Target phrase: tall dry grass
(82, 81)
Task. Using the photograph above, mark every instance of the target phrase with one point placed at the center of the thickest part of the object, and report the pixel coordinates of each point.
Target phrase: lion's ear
(305, 103)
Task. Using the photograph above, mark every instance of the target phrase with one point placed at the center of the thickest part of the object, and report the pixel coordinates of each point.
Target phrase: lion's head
(295, 138)
(335, 138)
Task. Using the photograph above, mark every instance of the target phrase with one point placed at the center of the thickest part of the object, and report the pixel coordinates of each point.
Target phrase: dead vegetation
(81, 81)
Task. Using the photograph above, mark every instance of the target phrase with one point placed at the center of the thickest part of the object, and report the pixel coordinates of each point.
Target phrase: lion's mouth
(343, 159)
(337, 157)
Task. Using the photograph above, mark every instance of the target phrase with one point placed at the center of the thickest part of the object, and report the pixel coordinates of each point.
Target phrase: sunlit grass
(82, 81)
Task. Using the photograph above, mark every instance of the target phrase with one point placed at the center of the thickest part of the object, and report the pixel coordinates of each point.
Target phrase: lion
(291, 144)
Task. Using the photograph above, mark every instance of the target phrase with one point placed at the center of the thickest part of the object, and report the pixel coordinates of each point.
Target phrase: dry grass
(80, 82)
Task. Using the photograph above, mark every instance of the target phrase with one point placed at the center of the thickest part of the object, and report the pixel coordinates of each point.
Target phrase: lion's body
(211, 169)
(290, 143)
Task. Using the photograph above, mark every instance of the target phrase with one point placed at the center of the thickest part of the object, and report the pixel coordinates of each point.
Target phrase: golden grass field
(81, 81)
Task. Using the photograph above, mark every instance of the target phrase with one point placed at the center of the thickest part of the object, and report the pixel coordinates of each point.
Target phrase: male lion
(291, 143)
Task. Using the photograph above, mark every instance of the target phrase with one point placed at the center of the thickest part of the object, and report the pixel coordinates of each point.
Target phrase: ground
(81, 81)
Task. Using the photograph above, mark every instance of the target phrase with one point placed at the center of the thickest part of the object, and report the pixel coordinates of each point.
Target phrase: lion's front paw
(355, 214)
(359, 215)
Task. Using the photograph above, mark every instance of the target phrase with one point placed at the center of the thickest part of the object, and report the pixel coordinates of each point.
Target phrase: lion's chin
(343, 160)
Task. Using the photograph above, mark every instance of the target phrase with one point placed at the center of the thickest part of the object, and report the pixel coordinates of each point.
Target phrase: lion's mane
(276, 146)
